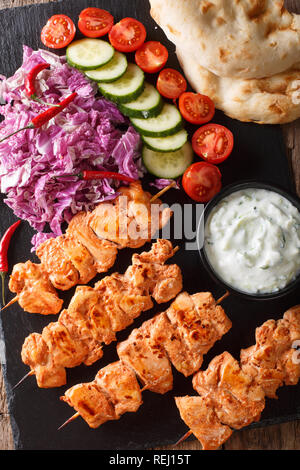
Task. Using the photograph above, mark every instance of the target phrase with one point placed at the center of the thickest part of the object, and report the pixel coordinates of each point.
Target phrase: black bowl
(209, 207)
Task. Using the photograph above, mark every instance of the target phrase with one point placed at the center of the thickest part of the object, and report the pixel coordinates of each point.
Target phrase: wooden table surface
(280, 437)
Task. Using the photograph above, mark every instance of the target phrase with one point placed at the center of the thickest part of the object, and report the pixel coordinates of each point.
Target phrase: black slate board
(36, 414)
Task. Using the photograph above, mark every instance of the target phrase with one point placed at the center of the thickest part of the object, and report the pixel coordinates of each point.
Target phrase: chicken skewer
(179, 336)
(89, 246)
(232, 394)
(96, 314)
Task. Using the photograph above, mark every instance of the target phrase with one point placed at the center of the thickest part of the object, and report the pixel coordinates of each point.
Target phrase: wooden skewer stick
(220, 300)
(163, 191)
(31, 372)
(176, 249)
(15, 299)
(75, 416)
(183, 438)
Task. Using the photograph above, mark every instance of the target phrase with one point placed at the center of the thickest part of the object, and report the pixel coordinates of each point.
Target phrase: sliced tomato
(152, 56)
(213, 143)
(202, 181)
(171, 84)
(58, 32)
(127, 35)
(95, 22)
(196, 108)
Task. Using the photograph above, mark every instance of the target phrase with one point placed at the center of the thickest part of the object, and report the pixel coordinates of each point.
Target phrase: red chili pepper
(43, 118)
(100, 175)
(30, 79)
(4, 244)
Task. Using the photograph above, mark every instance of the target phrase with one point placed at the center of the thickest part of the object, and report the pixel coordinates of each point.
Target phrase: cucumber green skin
(145, 114)
(163, 151)
(80, 67)
(164, 176)
(123, 99)
(109, 80)
(164, 133)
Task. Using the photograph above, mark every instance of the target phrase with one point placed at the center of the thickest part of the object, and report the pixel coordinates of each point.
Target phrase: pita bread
(273, 100)
(233, 38)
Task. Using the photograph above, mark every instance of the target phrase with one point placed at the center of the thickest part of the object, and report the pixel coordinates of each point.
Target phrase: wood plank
(284, 436)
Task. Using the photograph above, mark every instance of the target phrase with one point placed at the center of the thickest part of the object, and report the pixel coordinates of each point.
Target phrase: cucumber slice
(89, 54)
(148, 104)
(168, 122)
(110, 72)
(168, 165)
(127, 88)
(166, 144)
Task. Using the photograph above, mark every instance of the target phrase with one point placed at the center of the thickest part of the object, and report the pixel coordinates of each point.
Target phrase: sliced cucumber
(168, 165)
(89, 54)
(148, 104)
(127, 88)
(110, 72)
(166, 144)
(168, 122)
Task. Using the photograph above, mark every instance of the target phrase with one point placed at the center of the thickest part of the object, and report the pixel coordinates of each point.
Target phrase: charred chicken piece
(34, 290)
(92, 404)
(103, 251)
(147, 358)
(269, 361)
(199, 415)
(131, 219)
(120, 383)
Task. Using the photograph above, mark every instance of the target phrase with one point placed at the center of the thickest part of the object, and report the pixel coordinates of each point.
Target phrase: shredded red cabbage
(91, 134)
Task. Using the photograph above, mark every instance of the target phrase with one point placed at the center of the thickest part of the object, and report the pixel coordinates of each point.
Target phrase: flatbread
(273, 100)
(233, 38)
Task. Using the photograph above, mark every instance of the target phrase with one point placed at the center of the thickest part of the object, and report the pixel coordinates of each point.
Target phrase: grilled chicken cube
(61, 270)
(194, 321)
(131, 219)
(104, 252)
(270, 360)
(110, 290)
(35, 354)
(63, 349)
(238, 401)
(147, 358)
(208, 310)
(87, 308)
(267, 376)
(108, 224)
(90, 403)
(35, 292)
(120, 383)
(184, 360)
(198, 414)
(80, 258)
(148, 272)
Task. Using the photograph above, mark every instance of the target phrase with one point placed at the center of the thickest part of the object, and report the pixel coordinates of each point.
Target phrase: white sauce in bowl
(252, 240)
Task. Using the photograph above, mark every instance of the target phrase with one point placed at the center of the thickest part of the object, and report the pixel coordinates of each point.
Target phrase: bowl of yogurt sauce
(251, 242)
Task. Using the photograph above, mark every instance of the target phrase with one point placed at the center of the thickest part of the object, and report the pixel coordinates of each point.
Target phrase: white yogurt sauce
(252, 240)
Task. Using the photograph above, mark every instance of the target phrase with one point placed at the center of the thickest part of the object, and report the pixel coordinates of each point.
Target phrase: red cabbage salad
(91, 134)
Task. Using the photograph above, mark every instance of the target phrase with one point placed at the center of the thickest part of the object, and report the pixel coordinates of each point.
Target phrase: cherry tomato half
(213, 143)
(95, 22)
(171, 84)
(58, 32)
(127, 35)
(152, 56)
(202, 181)
(196, 108)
